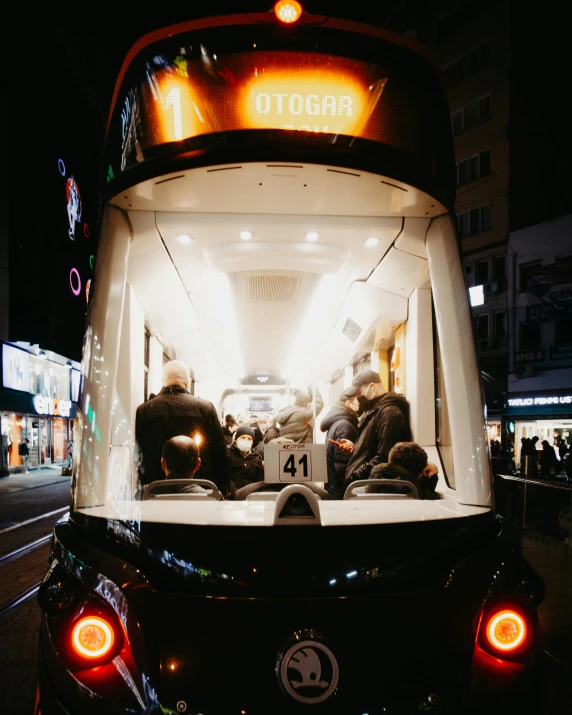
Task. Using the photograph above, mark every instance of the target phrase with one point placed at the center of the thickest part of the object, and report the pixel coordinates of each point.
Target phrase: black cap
(244, 430)
(363, 377)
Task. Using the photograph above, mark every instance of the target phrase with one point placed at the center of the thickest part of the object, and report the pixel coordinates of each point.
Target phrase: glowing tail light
(506, 630)
(92, 637)
(288, 11)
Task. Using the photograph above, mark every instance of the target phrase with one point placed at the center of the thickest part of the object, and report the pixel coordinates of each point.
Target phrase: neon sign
(50, 406)
(550, 400)
(76, 290)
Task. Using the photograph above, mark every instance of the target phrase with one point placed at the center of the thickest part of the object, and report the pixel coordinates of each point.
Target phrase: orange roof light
(288, 11)
(506, 630)
(92, 637)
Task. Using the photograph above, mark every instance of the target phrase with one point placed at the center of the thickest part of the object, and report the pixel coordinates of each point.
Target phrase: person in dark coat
(547, 459)
(340, 422)
(407, 461)
(246, 465)
(174, 411)
(384, 422)
(295, 422)
(229, 429)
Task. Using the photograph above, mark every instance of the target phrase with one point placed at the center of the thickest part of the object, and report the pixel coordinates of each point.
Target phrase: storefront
(38, 401)
(544, 414)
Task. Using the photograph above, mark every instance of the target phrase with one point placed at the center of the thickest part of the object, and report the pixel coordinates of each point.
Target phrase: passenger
(296, 421)
(407, 461)
(174, 411)
(246, 465)
(258, 436)
(385, 421)
(548, 461)
(229, 428)
(340, 423)
(180, 460)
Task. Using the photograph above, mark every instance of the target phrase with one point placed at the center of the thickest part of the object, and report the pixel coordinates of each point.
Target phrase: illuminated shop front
(38, 401)
(545, 414)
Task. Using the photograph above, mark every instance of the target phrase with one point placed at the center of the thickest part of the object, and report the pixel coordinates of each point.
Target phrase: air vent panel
(273, 288)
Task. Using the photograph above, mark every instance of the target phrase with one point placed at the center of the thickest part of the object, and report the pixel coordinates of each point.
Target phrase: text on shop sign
(526, 401)
(50, 406)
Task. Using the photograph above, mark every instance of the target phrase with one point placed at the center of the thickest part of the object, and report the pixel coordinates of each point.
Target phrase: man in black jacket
(384, 422)
(174, 411)
(341, 422)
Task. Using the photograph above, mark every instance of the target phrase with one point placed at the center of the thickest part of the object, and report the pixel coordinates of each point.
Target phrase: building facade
(539, 397)
(38, 401)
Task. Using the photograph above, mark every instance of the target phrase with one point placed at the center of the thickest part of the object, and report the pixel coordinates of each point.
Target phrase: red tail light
(93, 637)
(505, 630)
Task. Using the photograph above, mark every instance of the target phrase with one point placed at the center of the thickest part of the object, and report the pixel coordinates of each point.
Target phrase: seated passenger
(408, 461)
(246, 465)
(180, 460)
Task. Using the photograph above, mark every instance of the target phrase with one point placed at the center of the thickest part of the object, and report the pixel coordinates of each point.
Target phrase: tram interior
(332, 273)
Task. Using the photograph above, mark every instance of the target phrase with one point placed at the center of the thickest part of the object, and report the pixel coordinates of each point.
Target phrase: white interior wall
(155, 377)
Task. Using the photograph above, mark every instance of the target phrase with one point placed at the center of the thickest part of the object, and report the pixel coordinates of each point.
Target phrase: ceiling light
(184, 238)
(246, 235)
(312, 236)
(371, 241)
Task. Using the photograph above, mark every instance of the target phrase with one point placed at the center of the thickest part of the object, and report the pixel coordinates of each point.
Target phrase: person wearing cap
(384, 423)
(341, 422)
(246, 465)
(296, 421)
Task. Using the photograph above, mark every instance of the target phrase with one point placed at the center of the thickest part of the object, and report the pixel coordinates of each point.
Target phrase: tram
(278, 211)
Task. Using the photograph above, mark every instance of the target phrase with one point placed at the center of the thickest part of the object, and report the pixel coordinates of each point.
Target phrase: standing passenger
(174, 411)
(340, 423)
(385, 422)
(246, 465)
(296, 422)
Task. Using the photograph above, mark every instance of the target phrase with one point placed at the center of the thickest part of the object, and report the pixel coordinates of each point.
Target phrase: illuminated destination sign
(183, 98)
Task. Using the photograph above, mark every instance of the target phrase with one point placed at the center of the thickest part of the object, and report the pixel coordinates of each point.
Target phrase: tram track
(24, 563)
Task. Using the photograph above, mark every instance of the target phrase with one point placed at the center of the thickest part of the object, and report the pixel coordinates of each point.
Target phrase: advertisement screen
(261, 404)
(15, 368)
(75, 380)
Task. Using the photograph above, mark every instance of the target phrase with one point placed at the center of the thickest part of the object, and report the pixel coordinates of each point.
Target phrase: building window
(482, 272)
(483, 326)
(473, 114)
(500, 323)
(499, 268)
(474, 167)
(474, 220)
(527, 271)
(529, 335)
(563, 331)
(470, 63)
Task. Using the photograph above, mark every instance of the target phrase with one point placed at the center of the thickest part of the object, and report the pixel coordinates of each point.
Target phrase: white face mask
(244, 443)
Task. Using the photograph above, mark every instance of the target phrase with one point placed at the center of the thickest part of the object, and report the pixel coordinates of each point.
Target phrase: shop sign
(50, 406)
(542, 311)
(525, 356)
(561, 352)
(545, 400)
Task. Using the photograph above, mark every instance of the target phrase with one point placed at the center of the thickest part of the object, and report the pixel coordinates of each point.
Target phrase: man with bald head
(174, 411)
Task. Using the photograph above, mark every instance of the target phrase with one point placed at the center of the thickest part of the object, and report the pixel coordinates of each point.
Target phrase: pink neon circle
(75, 291)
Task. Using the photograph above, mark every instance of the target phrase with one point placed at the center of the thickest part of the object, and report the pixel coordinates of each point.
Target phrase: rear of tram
(277, 213)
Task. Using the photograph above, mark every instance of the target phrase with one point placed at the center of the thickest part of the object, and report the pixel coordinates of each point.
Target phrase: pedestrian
(384, 422)
(174, 411)
(341, 422)
(24, 452)
(70, 453)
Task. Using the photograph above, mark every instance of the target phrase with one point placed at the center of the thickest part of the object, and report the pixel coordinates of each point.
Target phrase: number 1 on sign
(290, 465)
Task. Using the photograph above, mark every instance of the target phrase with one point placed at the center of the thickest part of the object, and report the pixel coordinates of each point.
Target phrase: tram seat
(161, 489)
(358, 489)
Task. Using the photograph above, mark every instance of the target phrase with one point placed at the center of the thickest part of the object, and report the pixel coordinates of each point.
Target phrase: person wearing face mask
(174, 411)
(384, 423)
(246, 465)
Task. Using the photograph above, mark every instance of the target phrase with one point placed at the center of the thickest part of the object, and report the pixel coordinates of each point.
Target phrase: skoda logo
(308, 671)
